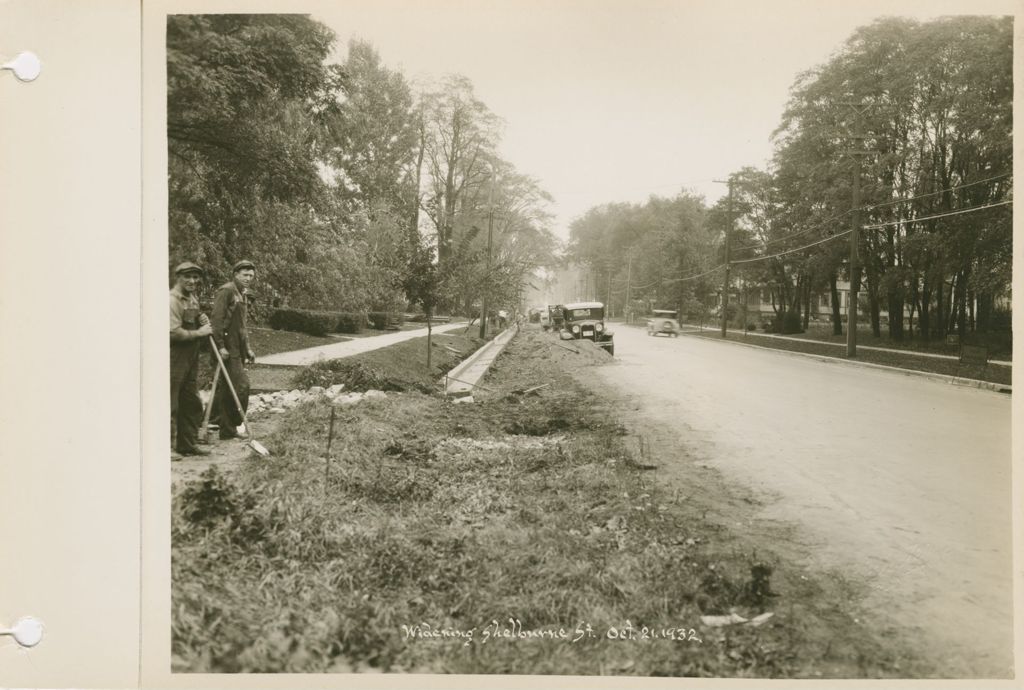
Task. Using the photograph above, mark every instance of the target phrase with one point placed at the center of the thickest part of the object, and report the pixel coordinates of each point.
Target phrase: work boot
(194, 451)
(175, 456)
(227, 433)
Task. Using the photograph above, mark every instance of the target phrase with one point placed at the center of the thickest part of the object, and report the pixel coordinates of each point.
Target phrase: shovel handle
(227, 380)
(209, 404)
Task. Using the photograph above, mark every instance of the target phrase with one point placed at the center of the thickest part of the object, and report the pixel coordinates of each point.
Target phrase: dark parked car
(585, 320)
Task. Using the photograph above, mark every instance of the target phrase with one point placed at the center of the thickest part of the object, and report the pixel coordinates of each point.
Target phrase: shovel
(204, 430)
(255, 445)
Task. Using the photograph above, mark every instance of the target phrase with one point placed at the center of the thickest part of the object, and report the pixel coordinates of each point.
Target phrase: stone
(346, 399)
(374, 395)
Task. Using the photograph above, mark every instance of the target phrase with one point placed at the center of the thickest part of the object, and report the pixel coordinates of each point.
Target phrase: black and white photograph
(590, 339)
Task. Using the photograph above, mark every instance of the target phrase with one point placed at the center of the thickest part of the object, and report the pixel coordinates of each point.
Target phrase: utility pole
(629, 273)
(851, 304)
(609, 303)
(728, 235)
(487, 276)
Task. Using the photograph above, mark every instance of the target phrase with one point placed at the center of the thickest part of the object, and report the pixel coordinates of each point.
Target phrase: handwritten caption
(512, 630)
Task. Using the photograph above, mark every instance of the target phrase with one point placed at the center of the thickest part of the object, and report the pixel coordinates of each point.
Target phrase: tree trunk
(914, 304)
(970, 310)
(873, 306)
(837, 317)
(940, 318)
(961, 321)
(429, 312)
(807, 305)
(895, 305)
(984, 323)
(926, 306)
(414, 216)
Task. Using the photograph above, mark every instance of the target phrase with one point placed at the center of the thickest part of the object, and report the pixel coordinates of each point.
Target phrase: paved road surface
(351, 347)
(902, 481)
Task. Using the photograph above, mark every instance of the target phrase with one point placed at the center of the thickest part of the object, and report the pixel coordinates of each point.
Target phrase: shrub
(349, 322)
(792, 323)
(303, 321)
(751, 326)
(356, 375)
(380, 320)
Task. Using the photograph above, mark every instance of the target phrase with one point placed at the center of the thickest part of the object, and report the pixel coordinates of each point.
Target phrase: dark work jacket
(184, 353)
(229, 320)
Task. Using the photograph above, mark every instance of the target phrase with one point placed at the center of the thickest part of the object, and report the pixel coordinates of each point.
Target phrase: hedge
(303, 321)
(380, 320)
(349, 322)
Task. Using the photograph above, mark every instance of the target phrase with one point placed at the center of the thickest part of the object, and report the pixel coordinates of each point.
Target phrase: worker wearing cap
(189, 327)
(232, 339)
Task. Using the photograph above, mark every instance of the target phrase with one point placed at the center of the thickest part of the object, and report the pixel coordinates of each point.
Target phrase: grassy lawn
(1000, 346)
(267, 341)
(993, 373)
(518, 535)
(399, 367)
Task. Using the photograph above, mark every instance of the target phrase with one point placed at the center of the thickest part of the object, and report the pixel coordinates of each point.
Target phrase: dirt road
(900, 483)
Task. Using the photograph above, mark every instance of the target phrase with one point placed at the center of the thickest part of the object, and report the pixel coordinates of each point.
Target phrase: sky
(610, 101)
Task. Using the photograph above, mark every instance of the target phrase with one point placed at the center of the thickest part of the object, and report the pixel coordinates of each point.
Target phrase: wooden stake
(330, 438)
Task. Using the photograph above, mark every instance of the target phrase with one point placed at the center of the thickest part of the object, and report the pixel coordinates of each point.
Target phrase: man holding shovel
(189, 328)
(232, 340)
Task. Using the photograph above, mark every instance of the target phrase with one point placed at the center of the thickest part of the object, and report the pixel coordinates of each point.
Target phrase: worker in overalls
(230, 308)
(189, 328)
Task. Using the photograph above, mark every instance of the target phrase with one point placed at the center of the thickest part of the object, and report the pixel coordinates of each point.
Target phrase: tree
(374, 134)
(246, 101)
(936, 100)
(460, 134)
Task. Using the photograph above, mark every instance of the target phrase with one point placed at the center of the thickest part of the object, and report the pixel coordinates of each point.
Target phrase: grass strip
(518, 535)
(993, 374)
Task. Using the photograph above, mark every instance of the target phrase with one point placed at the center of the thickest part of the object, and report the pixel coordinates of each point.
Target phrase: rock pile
(279, 401)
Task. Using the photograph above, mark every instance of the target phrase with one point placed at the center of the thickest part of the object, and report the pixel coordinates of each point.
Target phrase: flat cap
(244, 263)
(187, 267)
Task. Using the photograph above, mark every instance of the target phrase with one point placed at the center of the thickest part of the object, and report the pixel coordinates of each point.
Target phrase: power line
(938, 215)
(797, 234)
(677, 280)
(941, 191)
(839, 216)
(790, 251)
(694, 277)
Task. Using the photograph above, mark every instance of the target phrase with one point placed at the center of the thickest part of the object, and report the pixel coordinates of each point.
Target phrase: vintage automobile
(663, 321)
(585, 320)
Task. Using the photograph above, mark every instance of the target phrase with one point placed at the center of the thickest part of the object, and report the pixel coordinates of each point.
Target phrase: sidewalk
(914, 353)
(298, 358)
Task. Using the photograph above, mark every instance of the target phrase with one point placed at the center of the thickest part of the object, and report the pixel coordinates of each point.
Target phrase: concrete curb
(460, 381)
(945, 378)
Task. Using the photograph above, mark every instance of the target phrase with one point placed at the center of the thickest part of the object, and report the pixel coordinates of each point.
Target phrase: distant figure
(230, 313)
(189, 328)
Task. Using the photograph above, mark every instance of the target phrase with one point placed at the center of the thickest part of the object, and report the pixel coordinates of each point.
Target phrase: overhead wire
(839, 216)
(790, 251)
(876, 226)
(941, 191)
(840, 234)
